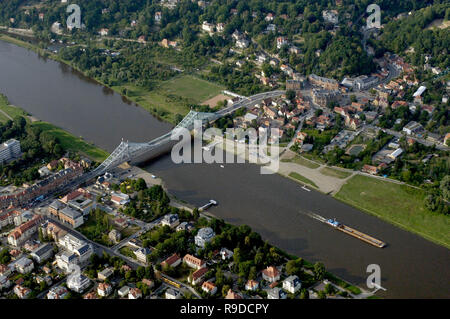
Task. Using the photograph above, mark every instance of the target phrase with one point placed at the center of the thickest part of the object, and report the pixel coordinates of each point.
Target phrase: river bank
(68, 141)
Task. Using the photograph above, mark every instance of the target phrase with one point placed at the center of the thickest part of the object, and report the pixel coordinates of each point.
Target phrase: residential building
(292, 284)
(172, 261)
(90, 295)
(323, 97)
(66, 261)
(42, 187)
(395, 153)
(281, 41)
(364, 82)
(115, 236)
(204, 235)
(122, 292)
(9, 150)
(197, 276)
(233, 295)
(226, 253)
(22, 233)
(330, 16)
(170, 220)
(4, 282)
(58, 292)
(412, 128)
(104, 289)
(24, 265)
(105, 274)
(242, 43)
(70, 216)
(44, 171)
(5, 270)
(120, 198)
(252, 285)
(172, 294)
(271, 274)
(142, 253)
(22, 292)
(193, 262)
(103, 31)
(208, 27)
(55, 207)
(209, 287)
(78, 283)
(326, 83)
(370, 169)
(158, 16)
(134, 293)
(295, 85)
(276, 293)
(42, 253)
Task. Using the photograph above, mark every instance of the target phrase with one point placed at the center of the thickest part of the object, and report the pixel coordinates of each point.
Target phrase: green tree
(319, 271)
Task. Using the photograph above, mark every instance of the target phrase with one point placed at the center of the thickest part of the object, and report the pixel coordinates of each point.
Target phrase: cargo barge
(355, 233)
(349, 231)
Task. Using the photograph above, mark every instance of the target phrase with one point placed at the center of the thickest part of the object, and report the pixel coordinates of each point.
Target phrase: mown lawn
(188, 86)
(401, 205)
(303, 179)
(300, 160)
(334, 172)
(156, 102)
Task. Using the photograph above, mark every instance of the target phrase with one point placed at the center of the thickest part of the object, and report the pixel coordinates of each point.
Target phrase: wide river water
(411, 267)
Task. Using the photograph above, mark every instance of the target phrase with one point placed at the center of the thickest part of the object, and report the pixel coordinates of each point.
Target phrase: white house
(24, 265)
(122, 292)
(292, 284)
(170, 220)
(78, 282)
(172, 294)
(276, 293)
(208, 27)
(204, 236)
(104, 289)
(226, 253)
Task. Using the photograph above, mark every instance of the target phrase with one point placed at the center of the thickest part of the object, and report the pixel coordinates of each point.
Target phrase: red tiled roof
(271, 272)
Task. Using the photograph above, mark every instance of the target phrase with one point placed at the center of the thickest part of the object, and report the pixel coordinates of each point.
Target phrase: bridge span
(129, 151)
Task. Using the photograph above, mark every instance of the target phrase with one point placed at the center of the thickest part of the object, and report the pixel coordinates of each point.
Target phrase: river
(411, 267)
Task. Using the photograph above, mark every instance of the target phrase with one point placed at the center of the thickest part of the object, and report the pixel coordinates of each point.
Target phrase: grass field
(398, 204)
(126, 251)
(302, 179)
(172, 96)
(10, 110)
(198, 90)
(334, 173)
(300, 160)
(71, 142)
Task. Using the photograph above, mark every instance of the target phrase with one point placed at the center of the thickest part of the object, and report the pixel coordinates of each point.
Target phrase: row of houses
(42, 187)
